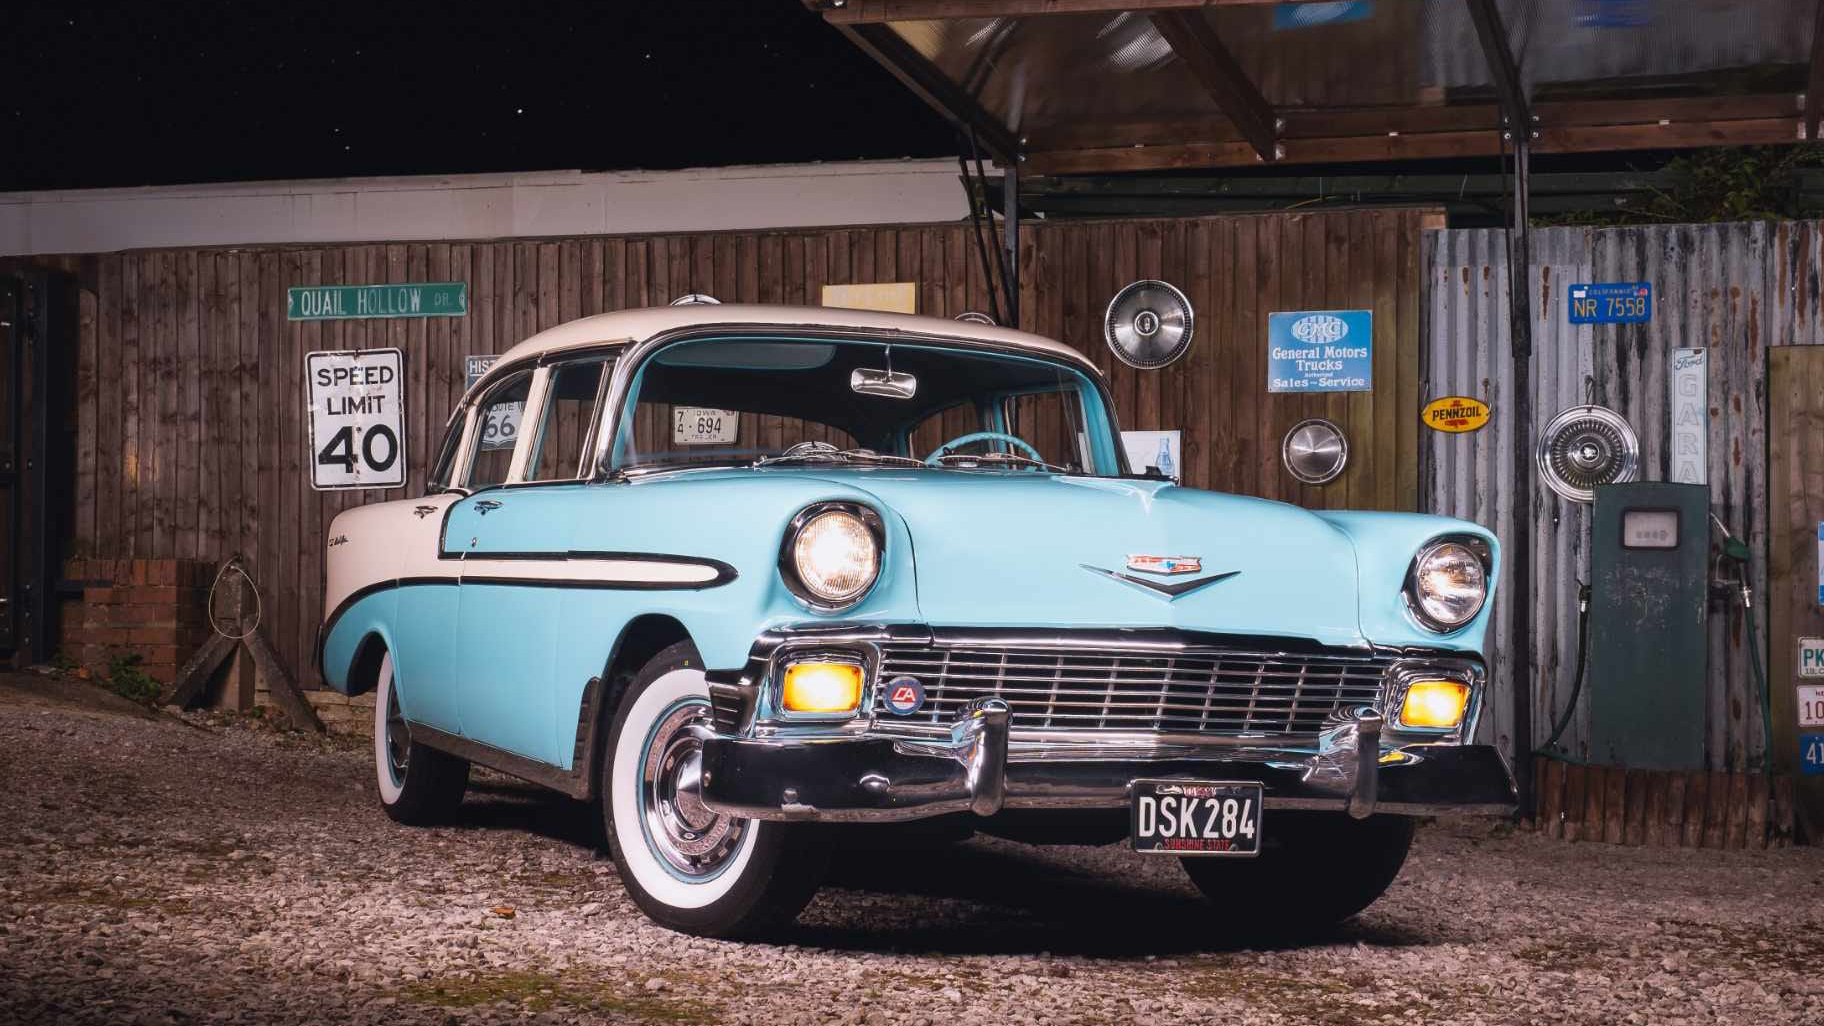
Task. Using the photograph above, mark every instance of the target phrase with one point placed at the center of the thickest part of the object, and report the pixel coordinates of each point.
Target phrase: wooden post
(284, 689)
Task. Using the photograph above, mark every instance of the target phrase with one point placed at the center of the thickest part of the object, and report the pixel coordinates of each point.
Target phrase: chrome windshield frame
(634, 358)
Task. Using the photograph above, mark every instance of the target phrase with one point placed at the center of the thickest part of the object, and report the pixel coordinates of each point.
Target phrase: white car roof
(641, 324)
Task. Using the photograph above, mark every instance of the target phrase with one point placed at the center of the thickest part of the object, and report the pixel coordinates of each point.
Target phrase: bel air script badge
(1165, 564)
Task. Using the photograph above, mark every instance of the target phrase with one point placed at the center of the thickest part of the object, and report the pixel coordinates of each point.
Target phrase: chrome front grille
(1216, 691)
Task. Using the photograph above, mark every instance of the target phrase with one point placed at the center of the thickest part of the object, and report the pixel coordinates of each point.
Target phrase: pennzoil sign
(1455, 413)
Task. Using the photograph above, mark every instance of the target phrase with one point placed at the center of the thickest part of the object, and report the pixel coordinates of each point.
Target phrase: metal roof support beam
(1814, 84)
(1211, 63)
(930, 85)
(1520, 130)
(861, 12)
(1501, 67)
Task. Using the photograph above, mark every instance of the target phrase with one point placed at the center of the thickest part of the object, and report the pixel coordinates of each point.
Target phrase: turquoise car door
(512, 552)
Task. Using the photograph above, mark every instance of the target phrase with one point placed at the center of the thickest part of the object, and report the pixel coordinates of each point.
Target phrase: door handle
(486, 506)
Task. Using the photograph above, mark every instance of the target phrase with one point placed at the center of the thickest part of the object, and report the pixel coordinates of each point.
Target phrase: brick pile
(154, 608)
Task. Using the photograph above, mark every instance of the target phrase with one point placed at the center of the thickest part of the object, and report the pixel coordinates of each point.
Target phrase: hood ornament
(1165, 564)
(1170, 591)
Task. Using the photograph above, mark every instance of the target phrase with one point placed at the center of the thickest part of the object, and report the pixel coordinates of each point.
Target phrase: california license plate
(1195, 817)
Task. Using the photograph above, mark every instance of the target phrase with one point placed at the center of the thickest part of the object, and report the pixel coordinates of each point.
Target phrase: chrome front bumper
(871, 778)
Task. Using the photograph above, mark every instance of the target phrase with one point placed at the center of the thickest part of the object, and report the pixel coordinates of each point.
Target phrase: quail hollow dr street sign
(406, 299)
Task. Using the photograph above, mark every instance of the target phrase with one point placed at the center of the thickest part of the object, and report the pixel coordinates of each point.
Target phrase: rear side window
(497, 429)
(446, 455)
(564, 432)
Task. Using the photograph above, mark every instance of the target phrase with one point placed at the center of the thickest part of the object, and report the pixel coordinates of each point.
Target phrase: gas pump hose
(1570, 706)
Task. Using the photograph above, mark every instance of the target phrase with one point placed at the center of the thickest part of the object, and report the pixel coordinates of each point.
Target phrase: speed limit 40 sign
(357, 419)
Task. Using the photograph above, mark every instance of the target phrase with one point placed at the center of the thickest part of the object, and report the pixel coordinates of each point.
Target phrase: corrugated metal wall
(1731, 288)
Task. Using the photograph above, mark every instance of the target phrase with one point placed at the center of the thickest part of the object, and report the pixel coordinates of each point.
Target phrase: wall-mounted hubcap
(691, 838)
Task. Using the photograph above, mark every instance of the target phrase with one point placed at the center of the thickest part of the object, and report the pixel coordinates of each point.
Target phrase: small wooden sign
(1455, 414)
(887, 297)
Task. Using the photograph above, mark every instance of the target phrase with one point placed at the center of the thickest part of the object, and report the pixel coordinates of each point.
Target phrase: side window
(569, 411)
(497, 420)
(446, 454)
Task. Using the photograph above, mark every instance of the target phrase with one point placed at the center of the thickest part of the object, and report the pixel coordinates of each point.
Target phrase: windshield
(746, 401)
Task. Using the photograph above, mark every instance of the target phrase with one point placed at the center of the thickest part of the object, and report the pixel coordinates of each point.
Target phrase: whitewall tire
(688, 868)
(418, 785)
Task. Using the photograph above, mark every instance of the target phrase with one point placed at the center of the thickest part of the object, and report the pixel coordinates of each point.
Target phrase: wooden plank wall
(191, 389)
(1663, 808)
(1795, 468)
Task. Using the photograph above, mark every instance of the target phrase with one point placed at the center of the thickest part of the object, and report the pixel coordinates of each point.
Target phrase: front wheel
(689, 868)
(1316, 869)
(418, 785)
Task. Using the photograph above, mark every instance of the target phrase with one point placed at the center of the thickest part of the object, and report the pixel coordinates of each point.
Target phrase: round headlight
(836, 557)
(1449, 585)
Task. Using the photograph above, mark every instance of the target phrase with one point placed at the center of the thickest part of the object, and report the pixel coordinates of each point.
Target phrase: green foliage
(127, 680)
(1745, 183)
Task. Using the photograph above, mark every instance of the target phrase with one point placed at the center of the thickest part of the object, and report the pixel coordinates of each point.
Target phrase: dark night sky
(153, 93)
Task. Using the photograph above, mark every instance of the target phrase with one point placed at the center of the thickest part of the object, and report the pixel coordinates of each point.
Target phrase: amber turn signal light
(822, 688)
(1434, 703)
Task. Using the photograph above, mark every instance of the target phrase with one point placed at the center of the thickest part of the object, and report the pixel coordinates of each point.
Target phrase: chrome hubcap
(398, 738)
(693, 840)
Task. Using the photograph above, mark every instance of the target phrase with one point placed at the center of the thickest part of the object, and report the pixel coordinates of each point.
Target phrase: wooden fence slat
(188, 499)
(1736, 830)
(88, 319)
(1614, 803)
(1758, 795)
(132, 537)
(1576, 784)
(1654, 827)
(1783, 800)
(1697, 807)
(1675, 810)
(1634, 818)
(1595, 795)
(109, 446)
(1549, 773)
(1716, 811)
(165, 367)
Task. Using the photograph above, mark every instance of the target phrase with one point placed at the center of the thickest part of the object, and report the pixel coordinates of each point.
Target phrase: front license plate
(1196, 817)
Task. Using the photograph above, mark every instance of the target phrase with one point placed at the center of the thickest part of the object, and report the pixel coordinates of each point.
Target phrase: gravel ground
(163, 870)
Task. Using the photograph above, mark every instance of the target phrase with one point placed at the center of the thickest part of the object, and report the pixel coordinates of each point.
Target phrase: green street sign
(342, 302)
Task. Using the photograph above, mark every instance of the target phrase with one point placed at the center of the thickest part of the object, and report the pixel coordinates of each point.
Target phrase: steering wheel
(938, 453)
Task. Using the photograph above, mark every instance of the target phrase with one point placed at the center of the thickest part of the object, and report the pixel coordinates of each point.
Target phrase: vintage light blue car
(744, 574)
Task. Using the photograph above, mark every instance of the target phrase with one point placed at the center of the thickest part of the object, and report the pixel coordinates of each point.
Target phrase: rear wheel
(1315, 869)
(418, 785)
(687, 867)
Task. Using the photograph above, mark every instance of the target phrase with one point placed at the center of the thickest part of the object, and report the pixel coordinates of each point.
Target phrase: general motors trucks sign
(357, 419)
(1320, 351)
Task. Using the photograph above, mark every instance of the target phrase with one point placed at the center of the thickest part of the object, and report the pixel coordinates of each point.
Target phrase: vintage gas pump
(1648, 642)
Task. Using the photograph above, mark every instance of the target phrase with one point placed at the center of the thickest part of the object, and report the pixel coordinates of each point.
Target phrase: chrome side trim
(577, 782)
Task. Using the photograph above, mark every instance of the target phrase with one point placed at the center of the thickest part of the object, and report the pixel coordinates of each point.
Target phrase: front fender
(1385, 544)
(740, 521)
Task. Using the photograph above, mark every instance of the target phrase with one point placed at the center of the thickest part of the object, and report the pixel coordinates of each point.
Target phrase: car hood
(1034, 550)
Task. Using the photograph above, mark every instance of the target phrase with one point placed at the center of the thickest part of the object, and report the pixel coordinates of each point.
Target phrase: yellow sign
(889, 297)
(1455, 413)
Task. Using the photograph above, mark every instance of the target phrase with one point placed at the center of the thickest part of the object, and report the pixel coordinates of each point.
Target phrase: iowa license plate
(1193, 817)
